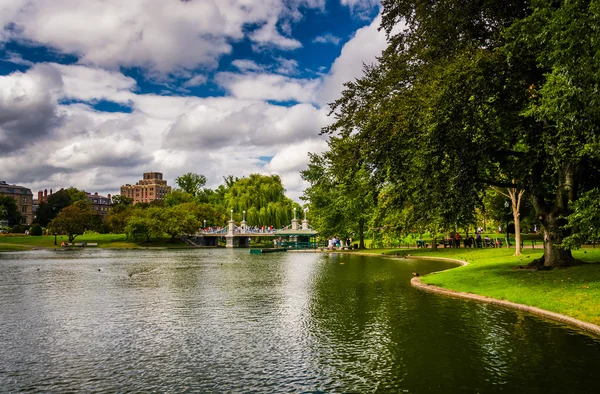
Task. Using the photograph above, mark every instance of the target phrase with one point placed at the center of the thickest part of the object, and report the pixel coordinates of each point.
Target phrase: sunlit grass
(24, 242)
(573, 291)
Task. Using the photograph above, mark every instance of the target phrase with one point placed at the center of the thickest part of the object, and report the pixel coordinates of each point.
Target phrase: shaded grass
(24, 242)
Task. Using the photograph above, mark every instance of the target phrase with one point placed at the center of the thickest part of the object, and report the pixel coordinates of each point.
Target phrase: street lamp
(231, 214)
(55, 238)
(205, 224)
(244, 216)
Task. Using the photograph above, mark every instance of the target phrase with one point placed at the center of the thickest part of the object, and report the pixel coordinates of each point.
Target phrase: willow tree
(469, 90)
(262, 197)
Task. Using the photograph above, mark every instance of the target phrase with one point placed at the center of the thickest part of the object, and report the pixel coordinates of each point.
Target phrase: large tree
(9, 210)
(74, 220)
(475, 94)
(341, 196)
(191, 183)
(56, 202)
(262, 197)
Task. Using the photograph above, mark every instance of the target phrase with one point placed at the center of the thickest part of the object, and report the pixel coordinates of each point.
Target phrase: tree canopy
(9, 210)
(474, 94)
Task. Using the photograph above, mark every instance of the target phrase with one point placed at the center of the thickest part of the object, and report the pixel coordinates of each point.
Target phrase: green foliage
(584, 221)
(176, 197)
(121, 201)
(36, 229)
(191, 183)
(74, 220)
(145, 224)
(18, 229)
(47, 211)
(262, 197)
(472, 95)
(9, 210)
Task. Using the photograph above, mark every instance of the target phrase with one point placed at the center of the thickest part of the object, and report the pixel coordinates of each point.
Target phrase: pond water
(227, 321)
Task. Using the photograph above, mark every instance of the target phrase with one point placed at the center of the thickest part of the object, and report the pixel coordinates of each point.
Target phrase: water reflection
(226, 321)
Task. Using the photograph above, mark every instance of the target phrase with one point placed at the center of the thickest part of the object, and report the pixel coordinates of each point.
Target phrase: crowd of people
(336, 242)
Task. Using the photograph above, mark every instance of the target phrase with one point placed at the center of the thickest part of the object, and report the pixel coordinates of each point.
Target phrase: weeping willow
(263, 198)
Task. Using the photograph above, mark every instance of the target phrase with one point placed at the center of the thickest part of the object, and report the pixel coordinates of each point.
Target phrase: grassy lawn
(24, 242)
(573, 291)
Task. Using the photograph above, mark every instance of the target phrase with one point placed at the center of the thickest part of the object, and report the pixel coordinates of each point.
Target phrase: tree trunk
(554, 256)
(434, 244)
(361, 233)
(553, 220)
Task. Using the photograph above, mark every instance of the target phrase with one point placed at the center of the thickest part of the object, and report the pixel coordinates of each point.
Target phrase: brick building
(22, 196)
(151, 188)
(100, 204)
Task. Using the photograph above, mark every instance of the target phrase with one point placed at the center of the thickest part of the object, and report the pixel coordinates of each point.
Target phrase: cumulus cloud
(327, 38)
(51, 135)
(361, 8)
(28, 108)
(267, 87)
(160, 36)
(243, 123)
(246, 65)
(364, 47)
(196, 80)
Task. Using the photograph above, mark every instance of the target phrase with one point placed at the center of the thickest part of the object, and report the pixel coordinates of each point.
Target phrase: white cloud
(48, 144)
(367, 43)
(246, 65)
(267, 87)
(196, 80)
(327, 38)
(361, 8)
(161, 36)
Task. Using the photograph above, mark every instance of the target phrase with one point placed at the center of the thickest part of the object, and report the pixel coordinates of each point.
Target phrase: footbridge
(239, 236)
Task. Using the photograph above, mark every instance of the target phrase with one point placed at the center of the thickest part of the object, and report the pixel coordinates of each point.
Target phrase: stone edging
(416, 282)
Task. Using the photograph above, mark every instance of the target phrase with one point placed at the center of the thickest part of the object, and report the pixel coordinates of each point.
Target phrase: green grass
(574, 291)
(24, 242)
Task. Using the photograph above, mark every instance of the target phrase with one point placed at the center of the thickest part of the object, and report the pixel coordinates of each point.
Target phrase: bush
(36, 229)
(18, 229)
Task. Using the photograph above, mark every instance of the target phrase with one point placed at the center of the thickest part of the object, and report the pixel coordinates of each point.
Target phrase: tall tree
(9, 210)
(74, 220)
(191, 183)
(471, 90)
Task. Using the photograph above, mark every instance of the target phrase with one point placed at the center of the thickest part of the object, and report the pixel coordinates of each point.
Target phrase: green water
(218, 321)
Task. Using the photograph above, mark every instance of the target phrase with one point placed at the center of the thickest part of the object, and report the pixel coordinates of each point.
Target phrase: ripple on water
(226, 321)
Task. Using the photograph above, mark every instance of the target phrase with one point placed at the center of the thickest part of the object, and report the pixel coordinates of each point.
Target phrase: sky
(94, 93)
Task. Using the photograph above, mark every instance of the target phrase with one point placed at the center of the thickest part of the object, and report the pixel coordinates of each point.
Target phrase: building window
(24, 209)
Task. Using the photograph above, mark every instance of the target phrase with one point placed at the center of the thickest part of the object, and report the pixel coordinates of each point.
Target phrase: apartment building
(151, 187)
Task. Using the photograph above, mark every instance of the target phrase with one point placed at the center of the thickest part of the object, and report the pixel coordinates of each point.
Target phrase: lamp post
(231, 214)
(205, 224)
(55, 238)
(305, 210)
(294, 213)
(244, 216)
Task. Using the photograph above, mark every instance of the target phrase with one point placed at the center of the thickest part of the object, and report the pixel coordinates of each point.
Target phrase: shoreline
(588, 328)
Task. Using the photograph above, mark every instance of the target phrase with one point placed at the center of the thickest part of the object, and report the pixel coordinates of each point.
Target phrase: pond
(217, 320)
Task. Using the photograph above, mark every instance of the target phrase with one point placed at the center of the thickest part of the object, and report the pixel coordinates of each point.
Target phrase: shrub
(36, 229)
(18, 229)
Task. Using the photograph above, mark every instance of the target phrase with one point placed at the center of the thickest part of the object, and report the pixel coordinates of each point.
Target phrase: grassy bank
(573, 291)
(25, 242)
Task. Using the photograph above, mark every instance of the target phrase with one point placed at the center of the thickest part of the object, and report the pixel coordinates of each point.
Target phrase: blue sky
(94, 93)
